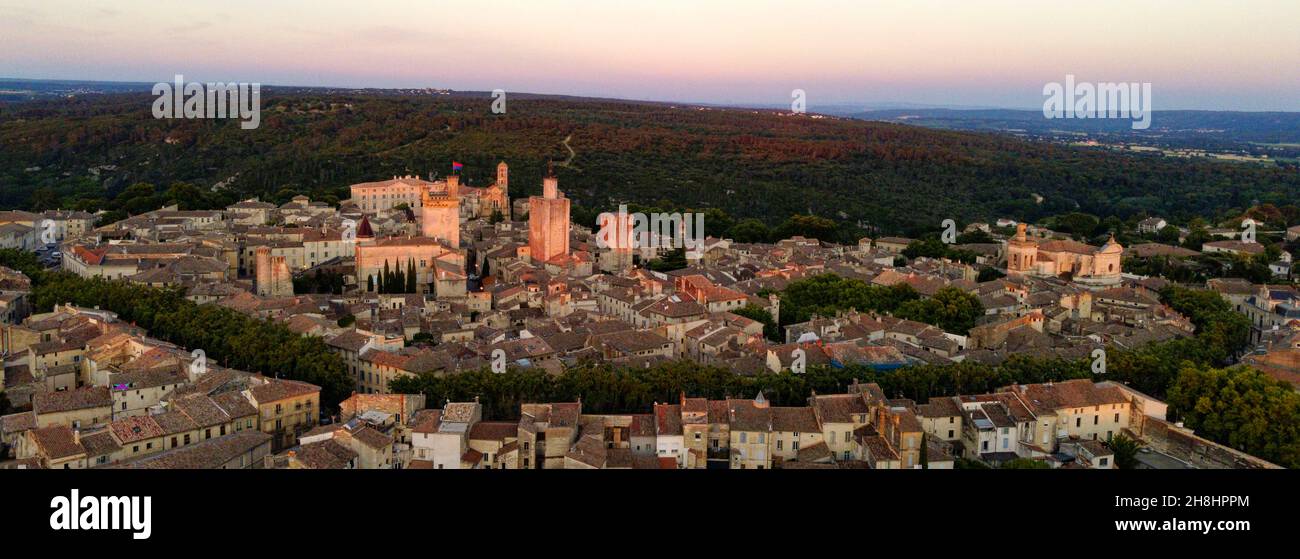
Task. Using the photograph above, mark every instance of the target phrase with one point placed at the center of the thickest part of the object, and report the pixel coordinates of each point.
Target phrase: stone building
(1082, 263)
(548, 222)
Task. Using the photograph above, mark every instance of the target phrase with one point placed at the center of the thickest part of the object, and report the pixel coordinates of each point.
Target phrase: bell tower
(503, 177)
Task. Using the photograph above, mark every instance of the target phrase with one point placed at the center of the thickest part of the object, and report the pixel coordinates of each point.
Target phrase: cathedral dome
(1112, 246)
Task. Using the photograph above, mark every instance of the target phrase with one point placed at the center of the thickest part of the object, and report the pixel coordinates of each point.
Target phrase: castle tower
(1022, 252)
(273, 276)
(615, 238)
(453, 185)
(503, 178)
(440, 216)
(548, 221)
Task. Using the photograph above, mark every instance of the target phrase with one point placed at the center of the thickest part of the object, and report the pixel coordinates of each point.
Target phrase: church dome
(1112, 246)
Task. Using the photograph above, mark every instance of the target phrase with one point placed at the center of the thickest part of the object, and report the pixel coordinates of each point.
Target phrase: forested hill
(84, 151)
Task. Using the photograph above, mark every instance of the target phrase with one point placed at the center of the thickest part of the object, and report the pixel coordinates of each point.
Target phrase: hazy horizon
(1198, 55)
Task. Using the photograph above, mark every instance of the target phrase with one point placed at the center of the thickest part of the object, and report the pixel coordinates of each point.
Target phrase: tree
(930, 248)
(1241, 407)
(672, 260)
(925, 451)
(989, 273)
(975, 236)
(749, 231)
(951, 308)
(1024, 464)
(1080, 225)
(770, 328)
(1125, 450)
(412, 281)
(967, 464)
(809, 226)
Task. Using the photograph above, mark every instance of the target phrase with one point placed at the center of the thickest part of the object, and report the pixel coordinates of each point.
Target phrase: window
(1104, 461)
(1117, 418)
(1078, 422)
(950, 433)
(1096, 419)
(743, 436)
(779, 445)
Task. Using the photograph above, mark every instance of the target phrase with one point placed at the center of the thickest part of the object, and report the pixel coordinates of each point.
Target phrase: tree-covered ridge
(750, 163)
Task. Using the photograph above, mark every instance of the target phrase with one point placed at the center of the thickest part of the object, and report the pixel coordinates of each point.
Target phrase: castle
(548, 223)
(436, 254)
(273, 276)
(374, 197)
(1085, 264)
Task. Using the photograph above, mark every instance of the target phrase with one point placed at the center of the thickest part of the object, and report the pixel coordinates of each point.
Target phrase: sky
(1197, 54)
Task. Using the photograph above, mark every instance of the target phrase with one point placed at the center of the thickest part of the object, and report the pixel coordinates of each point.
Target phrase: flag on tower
(455, 166)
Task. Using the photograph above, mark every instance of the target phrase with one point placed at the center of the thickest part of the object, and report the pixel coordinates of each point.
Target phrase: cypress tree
(411, 281)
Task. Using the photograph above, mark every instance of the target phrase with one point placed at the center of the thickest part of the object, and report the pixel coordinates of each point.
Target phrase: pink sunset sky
(1197, 54)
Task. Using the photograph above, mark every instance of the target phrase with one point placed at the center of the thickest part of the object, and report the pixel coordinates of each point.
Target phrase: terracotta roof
(668, 419)
(99, 443)
(17, 422)
(69, 400)
(276, 390)
(208, 454)
(57, 441)
(137, 428)
(795, 420)
(426, 421)
(1076, 393)
(838, 408)
(494, 430)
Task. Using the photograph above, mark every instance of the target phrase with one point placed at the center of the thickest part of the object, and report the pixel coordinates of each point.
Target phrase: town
(432, 278)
